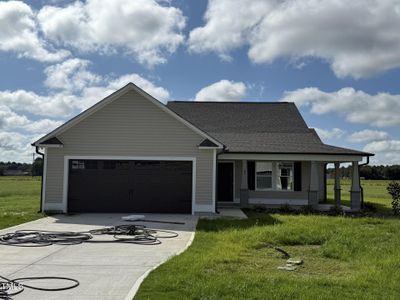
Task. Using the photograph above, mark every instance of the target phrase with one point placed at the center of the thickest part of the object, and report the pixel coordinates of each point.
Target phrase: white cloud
(367, 135)
(223, 90)
(145, 29)
(330, 30)
(11, 141)
(158, 92)
(73, 88)
(70, 75)
(15, 146)
(9, 120)
(379, 110)
(330, 134)
(19, 33)
(383, 146)
(54, 105)
(386, 152)
(228, 24)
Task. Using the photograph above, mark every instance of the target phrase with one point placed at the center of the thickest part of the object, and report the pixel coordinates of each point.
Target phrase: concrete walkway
(104, 270)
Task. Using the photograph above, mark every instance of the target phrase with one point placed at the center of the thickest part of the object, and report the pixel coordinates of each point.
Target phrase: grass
(374, 193)
(344, 257)
(19, 200)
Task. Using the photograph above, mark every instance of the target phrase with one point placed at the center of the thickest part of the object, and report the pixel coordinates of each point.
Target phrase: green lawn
(19, 200)
(374, 193)
(344, 257)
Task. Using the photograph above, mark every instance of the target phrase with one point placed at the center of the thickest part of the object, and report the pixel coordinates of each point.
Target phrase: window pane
(264, 168)
(285, 183)
(284, 176)
(78, 164)
(264, 182)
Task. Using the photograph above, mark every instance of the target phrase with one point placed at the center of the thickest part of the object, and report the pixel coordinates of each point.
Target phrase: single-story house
(131, 153)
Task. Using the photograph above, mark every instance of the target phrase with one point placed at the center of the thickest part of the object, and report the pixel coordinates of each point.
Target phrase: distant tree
(37, 167)
(393, 172)
(372, 172)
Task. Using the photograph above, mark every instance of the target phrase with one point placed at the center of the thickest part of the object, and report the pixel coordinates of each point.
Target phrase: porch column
(337, 185)
(244, 188)
(314, 186)
(355, 192)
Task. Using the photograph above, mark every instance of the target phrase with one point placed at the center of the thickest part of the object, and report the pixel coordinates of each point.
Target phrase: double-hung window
(274, 176)
(284, 178)
(263, 175)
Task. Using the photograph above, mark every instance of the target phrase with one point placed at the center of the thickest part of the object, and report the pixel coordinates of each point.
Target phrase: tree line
(371, 172)
(34, 169)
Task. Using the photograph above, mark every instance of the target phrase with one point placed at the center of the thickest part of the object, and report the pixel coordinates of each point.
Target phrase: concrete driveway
(104, 270)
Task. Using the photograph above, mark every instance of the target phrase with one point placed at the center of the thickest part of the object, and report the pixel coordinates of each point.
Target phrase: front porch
(277, 180)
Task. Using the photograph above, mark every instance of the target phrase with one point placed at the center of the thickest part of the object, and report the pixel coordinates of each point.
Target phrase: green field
(374, 193)
(19, 200)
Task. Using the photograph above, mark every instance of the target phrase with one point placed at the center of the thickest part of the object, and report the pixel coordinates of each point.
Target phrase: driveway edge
(138, 282)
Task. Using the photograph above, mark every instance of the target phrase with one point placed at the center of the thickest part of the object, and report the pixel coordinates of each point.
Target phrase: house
(131, 153)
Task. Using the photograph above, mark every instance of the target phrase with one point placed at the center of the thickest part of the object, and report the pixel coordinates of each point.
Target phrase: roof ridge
(231, 102)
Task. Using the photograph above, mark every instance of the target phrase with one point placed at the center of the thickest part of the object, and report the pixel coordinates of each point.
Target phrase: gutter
(41, 185)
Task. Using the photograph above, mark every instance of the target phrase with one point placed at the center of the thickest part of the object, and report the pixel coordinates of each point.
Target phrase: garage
(129, 186)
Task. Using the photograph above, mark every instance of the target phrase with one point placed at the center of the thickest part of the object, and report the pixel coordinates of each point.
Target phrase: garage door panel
(130, 186)
(172, 181)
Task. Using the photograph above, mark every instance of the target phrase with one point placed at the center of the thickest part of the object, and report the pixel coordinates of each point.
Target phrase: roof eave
(301, 153)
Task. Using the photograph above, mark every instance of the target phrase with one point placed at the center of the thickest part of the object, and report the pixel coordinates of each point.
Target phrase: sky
(338, 60)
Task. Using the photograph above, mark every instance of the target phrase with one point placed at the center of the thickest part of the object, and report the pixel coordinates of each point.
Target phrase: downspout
(41, 185)
(359, 179)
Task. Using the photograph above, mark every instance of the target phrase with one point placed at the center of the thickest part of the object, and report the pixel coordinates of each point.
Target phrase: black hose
(13, 287)
(135, 234)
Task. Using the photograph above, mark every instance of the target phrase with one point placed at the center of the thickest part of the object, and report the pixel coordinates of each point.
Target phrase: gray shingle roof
(256, 127)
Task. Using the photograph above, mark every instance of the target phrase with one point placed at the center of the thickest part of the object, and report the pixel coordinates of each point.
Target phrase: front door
(225, 181)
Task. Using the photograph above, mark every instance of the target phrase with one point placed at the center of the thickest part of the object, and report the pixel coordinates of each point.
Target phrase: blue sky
(59, 57)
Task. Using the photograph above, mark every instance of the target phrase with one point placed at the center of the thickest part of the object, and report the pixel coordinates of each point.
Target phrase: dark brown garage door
(130, 186)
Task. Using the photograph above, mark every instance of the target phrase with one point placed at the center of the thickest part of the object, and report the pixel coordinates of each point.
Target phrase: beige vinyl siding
(130, 126)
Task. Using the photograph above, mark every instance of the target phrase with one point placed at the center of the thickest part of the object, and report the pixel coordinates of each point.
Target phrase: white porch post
(314, 185)
(244, 188)
(355, 192)
(337, 184)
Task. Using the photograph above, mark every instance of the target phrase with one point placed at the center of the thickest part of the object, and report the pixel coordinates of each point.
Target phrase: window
(284, 180)
(78, 164)
(274, 176)
(263, 175)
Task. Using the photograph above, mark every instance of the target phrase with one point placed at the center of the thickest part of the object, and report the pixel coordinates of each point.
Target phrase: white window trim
(274, 176)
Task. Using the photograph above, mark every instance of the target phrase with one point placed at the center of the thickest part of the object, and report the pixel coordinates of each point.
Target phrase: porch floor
(231, 212)
(327, 207)
(225, 206)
